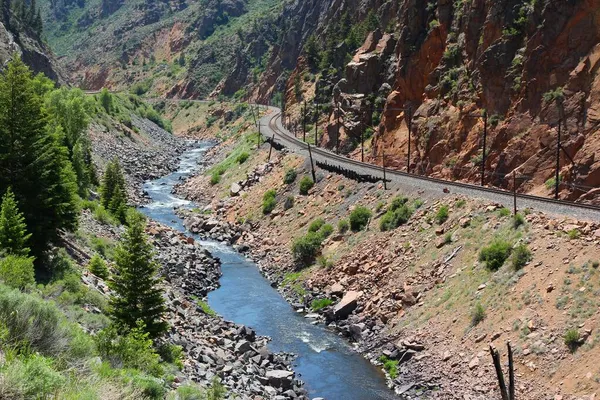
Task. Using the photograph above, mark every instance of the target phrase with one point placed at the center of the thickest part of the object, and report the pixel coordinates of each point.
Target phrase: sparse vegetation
(442, 214)
(495, 254)
(290, 176)
(316, 225)
(520, 257)
(359, 218)
(518, 220)
(343, 226)
(573, 234)
(398, 213)
(319, 304)
(243, 157)
(269, 201)
(305, 185)
(391, 366)
(477, 314)
(572, 339)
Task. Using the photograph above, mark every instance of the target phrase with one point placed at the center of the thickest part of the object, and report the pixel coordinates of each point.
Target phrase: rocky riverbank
(213, 347)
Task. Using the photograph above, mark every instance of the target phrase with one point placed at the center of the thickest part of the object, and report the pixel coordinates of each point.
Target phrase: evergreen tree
(97, 266)
(13, 230)
(118, 204)
(106, 100)
(137, 296)
(311, 49)
(113, 187)
(33, 161)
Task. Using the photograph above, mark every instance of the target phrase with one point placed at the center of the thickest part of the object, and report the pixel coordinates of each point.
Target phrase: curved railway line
(271, 126)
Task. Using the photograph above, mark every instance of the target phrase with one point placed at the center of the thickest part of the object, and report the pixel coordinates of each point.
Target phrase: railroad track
(272, 127)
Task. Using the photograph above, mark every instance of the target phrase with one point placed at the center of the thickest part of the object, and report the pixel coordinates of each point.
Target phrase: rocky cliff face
(15, 38)
(528, 64)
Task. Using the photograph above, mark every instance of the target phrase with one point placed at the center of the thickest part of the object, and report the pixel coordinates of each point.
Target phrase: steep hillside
(183, 48)
(21, 36)
(528, 64)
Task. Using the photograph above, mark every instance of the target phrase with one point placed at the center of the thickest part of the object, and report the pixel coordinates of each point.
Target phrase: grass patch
(391, 366)
(477, 314)
(442, 214)
(572, 339)
(320, 304)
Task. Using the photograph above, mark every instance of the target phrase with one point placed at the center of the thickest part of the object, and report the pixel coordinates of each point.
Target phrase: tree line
(26, 11)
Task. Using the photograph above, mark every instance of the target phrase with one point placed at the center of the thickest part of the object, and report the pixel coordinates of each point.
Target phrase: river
(325, 362)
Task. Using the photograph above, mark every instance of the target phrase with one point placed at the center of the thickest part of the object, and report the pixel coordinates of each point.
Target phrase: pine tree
(97, 266)
(33, 161)
(113, 186)
(137, 296)
(13, 230)
(118, 205)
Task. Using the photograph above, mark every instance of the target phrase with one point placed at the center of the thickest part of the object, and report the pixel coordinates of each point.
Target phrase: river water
(326, 363)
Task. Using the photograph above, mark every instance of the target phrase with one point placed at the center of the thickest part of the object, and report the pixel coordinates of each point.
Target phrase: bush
(324, 262)
(305, 185)
(504, 212)
(98, 267)
(359, 218)
(442, 214)
(521, 256)
(171, 354)
(316, 225)
(290, 176)
(36, 323)
(289, 203)
(572, 339)
(518, 220)
(269, 201)
(31, 377)
(397, 214)
(343, 226)
(131, 350)
(478, 314)
(104, 217)
(306, 248)
(320, 304)
(215, 178)
(326, 230)
(391, 366)
(495, 254)
(573, 234)
(242, 158)
(17, 272)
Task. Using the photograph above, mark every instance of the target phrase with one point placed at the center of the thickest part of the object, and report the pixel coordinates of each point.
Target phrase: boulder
(280, 378)
(235, 189)
(346, 305)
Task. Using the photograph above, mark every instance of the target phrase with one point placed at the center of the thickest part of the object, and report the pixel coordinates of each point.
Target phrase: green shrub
(290, 176)
(305, 185)
(171, 354)
(316, 225)
(495, 254)
(359, 218)
(104, 217)
(504, 212)
(36, 323)
(189, 392)
(572, 339)
(595, 264)
(31, 377)
(478, 314)
(573, 234)
(398, 213)
(343, 226)
(306, 248)
(131, 350)
(460, 203)
(320, 304)
(326, 230)
(17, 272)
(269, 201)
(215, 178)
(289, 203)
(324, 262)
(442, 214)
(242, 158)
(97, 266)
(206, 308)
(391, 366)
(518, 220)
(521, 256)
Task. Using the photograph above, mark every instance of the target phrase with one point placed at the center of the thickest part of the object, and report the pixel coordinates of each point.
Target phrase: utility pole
(515, 193)
(558, 146)
(337, 114)
(271, 148)
(409, 134)
(384, 173)
(304, 123)
(316, 123)
(485, 124)
(312, 164)
(258, 147)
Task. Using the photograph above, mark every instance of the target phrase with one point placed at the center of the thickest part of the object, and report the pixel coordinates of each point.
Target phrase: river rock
(280, 378)
(346, 305)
